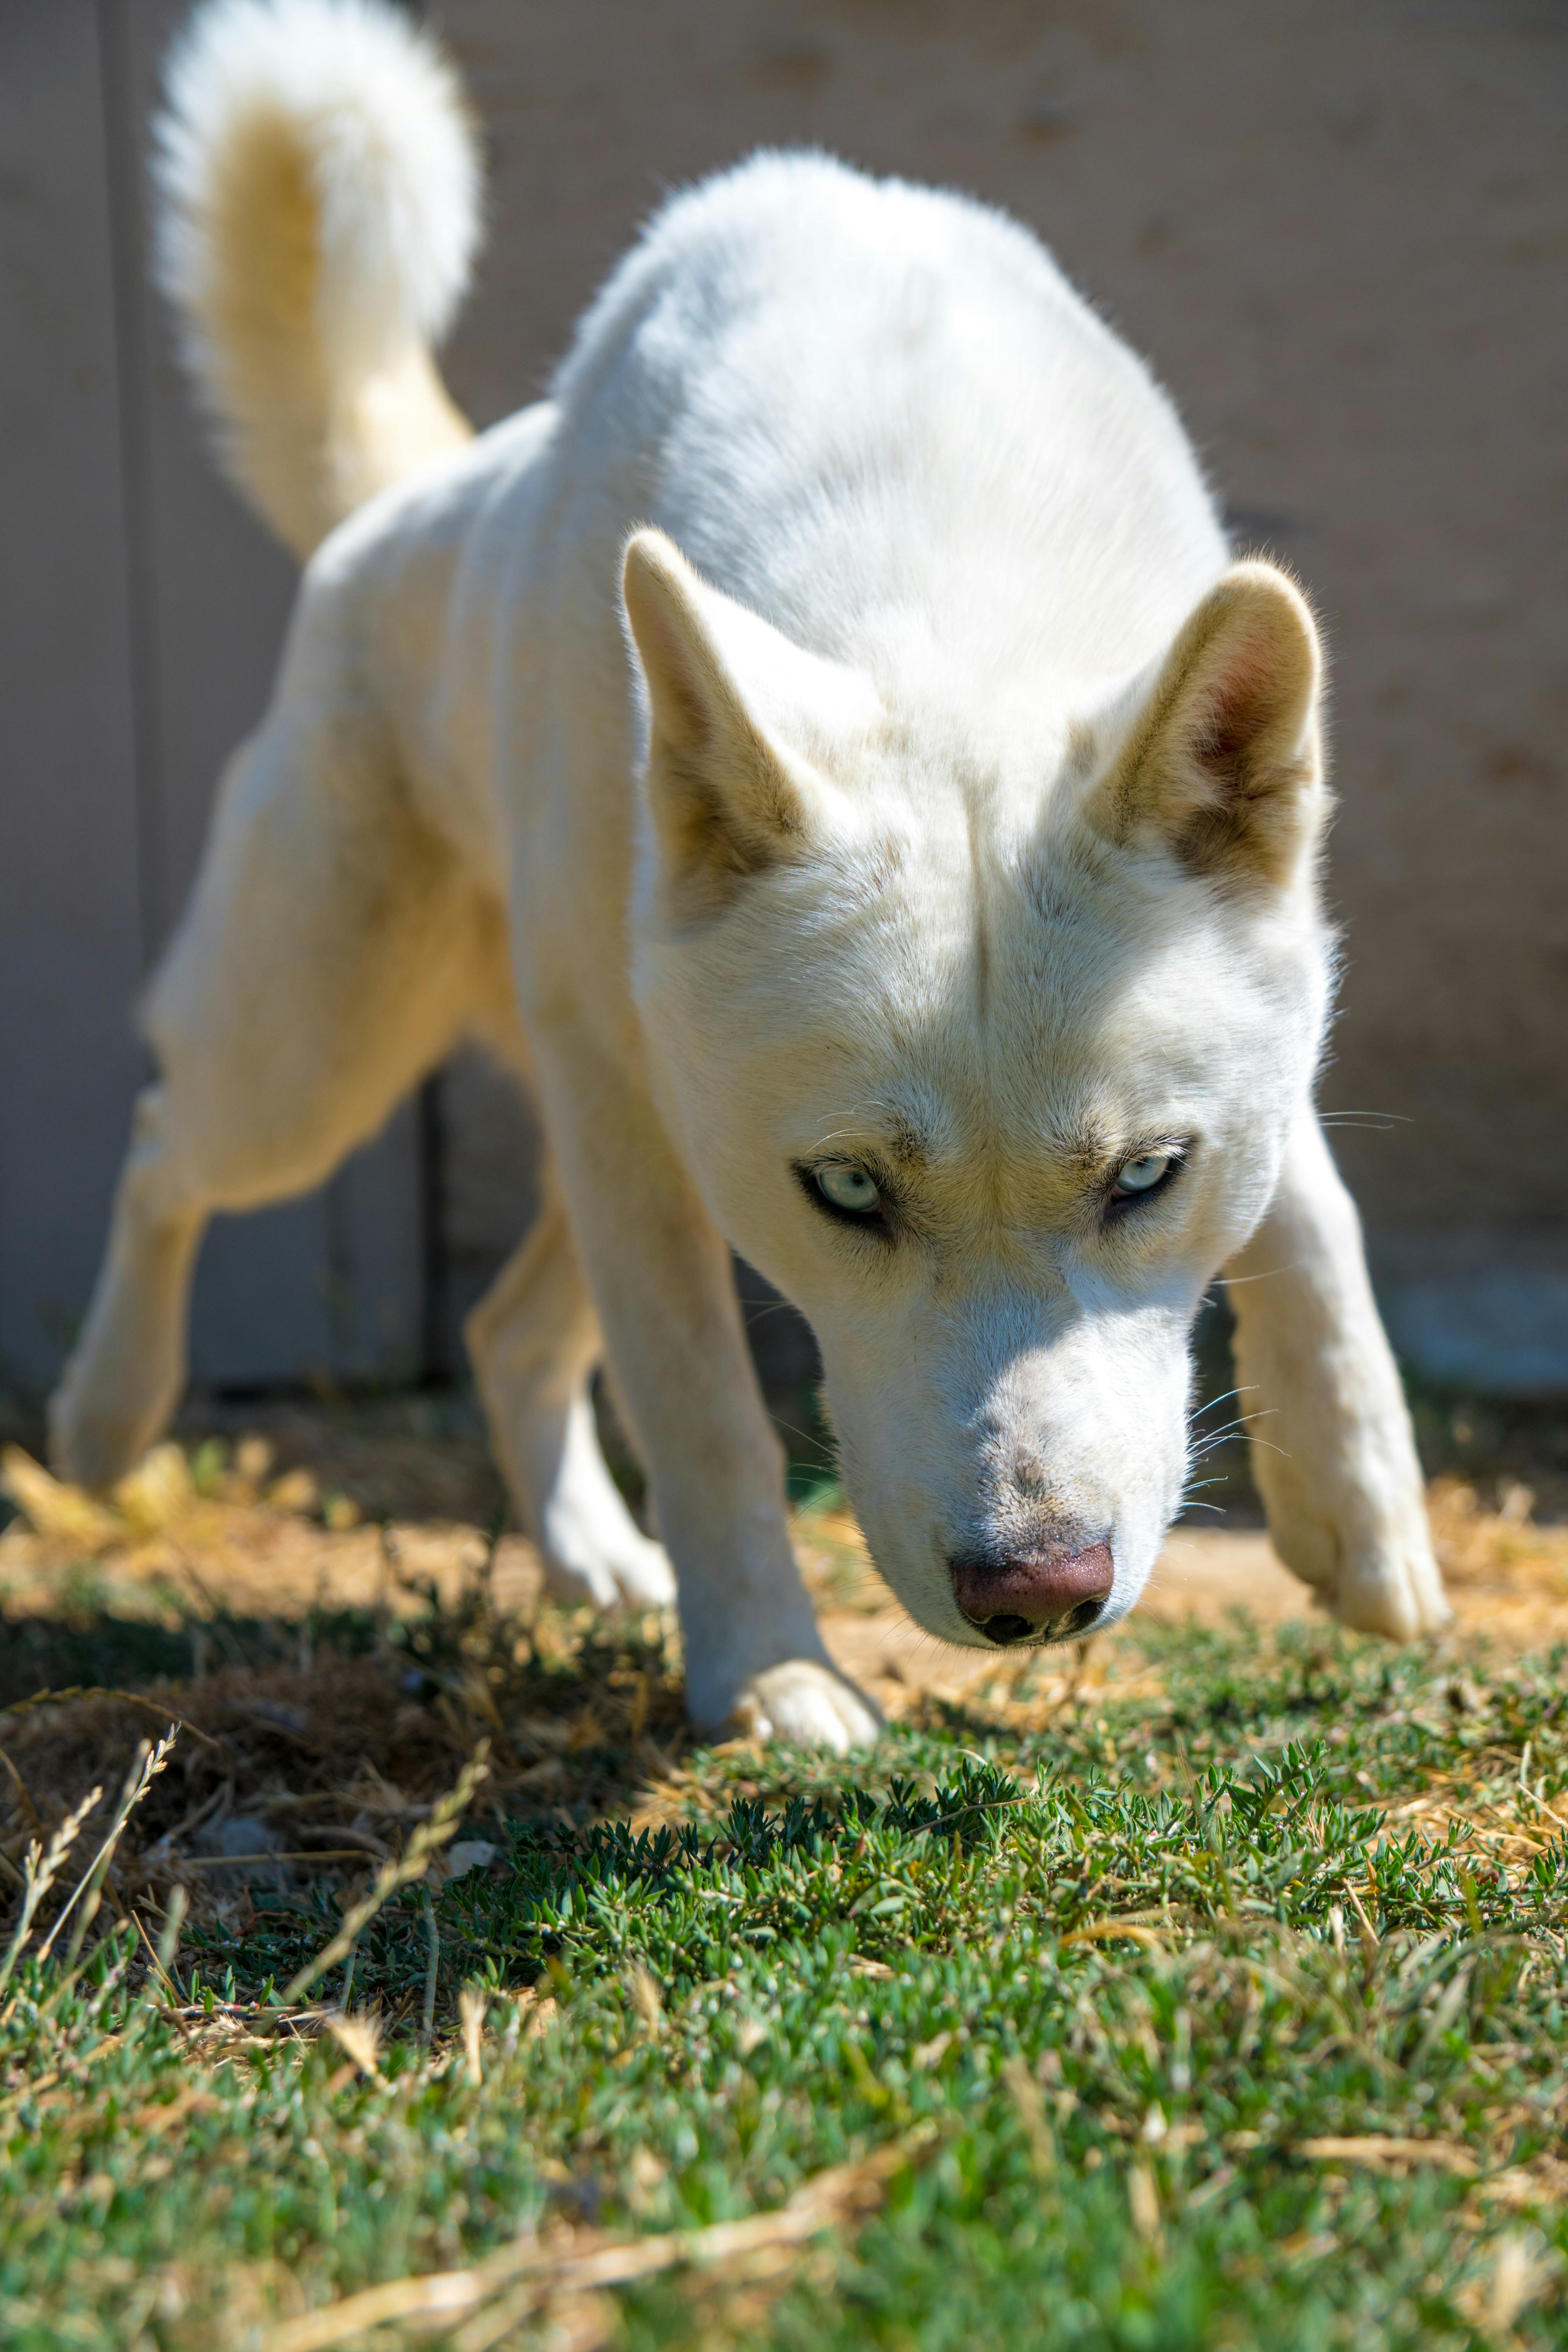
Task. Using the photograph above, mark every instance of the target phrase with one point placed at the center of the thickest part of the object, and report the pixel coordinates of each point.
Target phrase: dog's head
(981, 1038)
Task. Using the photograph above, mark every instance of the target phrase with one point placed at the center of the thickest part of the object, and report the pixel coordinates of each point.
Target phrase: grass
(1218, 2000)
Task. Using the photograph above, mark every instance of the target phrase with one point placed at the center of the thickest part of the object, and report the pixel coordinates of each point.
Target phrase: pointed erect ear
(1221, 760)
(727, 797)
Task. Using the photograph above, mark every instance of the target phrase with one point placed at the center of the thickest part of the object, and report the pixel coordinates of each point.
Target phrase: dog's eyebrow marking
(902, 1140)
(1087, 1149)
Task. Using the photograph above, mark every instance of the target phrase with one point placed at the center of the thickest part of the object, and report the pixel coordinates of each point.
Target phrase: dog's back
(879, 414)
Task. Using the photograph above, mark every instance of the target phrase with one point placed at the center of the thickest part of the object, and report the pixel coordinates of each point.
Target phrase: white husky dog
(828, 746)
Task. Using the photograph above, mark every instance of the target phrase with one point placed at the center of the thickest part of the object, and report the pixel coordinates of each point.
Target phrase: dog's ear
(1220, 762)
(728, 795)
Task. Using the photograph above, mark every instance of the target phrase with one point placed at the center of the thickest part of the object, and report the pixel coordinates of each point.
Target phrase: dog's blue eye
(1139, 1177)
(847, 1188)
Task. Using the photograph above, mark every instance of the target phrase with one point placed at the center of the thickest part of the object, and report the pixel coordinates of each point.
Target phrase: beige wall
(1339, 229)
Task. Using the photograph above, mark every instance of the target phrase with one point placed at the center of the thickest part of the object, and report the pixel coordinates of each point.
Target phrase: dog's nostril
(1002, 1630)
(1054, 1593)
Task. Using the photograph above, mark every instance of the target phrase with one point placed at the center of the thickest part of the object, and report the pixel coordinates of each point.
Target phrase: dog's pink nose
(1051, 1593)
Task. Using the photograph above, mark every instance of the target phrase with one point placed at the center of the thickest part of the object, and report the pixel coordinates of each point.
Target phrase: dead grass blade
(645, 1998)
(471, 2007)
(432, 1966)
(1135, 1927)
(252, 1861)
(24, 1796)
(360, 2037)
(1378, 2148)
(174, 1912)
(65, 1512)
(41, 1867)
(126, 1698)
(148, 1762)
(411, 1864)
(441, 2297)
(1520, 2273)
(1029, 2100)
(1368, 1933)
(1143, 2205)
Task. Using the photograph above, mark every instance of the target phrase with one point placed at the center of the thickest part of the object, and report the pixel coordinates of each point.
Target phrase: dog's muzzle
(1047, 1595)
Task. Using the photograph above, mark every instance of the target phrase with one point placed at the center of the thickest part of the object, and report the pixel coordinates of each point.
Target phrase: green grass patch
(1219, 2003)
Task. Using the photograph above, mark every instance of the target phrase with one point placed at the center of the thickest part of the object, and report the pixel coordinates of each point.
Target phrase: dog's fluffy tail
(318, 184)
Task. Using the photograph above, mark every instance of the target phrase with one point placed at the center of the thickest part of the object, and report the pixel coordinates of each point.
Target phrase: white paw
(1380, 1579)
(630, 1573)
(807, 1702)
(1393, 1588)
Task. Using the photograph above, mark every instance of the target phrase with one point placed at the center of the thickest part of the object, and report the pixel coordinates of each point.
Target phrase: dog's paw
(807, 1702)
(1393, 1588)
(630, 1573)
(92, 1449)
(1379, 1580)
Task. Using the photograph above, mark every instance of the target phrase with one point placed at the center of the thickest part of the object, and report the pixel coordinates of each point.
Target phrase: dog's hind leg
(126, 1371)
(1333, 1449)
(534, 1340)
(331, 951)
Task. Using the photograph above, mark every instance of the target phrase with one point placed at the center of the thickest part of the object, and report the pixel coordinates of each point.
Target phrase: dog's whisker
(1378, 1122)
(1214, 1438)
(1215, 1402)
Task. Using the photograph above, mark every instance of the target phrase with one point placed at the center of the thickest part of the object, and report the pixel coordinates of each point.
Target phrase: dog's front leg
(662, 1279)
(1332, 1452)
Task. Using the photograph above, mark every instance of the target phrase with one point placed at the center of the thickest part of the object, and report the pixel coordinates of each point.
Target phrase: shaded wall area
(1337, 228)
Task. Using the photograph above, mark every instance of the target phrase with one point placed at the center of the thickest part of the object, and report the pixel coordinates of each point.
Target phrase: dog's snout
(1050, 1593)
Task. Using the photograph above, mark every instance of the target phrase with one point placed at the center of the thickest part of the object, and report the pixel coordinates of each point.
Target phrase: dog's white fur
(936, 796)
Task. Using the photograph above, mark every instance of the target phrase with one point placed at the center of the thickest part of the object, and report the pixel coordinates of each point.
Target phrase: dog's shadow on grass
(309, 1750)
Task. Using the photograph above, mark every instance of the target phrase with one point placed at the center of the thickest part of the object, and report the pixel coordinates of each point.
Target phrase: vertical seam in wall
(433, 1230)
(341, 1299)
(122, 161)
